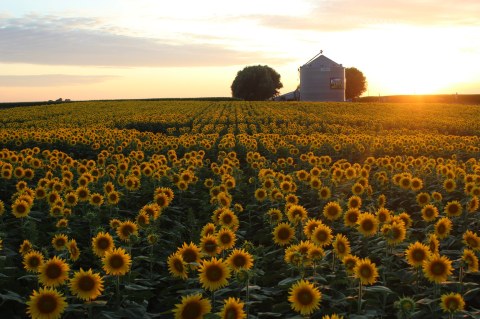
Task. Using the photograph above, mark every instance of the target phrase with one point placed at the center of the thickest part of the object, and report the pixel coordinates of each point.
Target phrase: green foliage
(256, 83)
(356, 83)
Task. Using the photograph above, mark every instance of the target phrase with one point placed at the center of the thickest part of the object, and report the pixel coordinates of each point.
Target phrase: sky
(115, 49)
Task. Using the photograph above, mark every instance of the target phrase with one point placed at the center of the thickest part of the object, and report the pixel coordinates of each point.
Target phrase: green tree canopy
(356, 83)
(256, 83)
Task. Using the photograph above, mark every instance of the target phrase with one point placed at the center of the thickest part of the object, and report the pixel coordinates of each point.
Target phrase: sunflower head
(283, 234)
(46, 303)
(86, 285)
(213, 274)
(366, 271)
(304, 297)
(116, 262)
(53, 272)
(437, 268)
(452, 302)
(232, 309)
(192, 306)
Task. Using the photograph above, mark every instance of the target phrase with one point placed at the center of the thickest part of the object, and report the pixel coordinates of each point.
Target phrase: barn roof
(322, 60)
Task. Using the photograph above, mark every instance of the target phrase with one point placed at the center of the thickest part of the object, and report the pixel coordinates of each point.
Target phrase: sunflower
(83, 193)
(228, 219)
(416, 254)
(113, 198)
(429, 213)
(437, 268)
(283, 234)
(354, 202)
(350, 261)
(192, 307)
(71, 199)
(437, 196)
(471, 240)
(423, 199)
(332, 211)
(20, 208)
(322, 235)
(315, 253)
(443, 227)
(449, 185)
(341, 245)
(350, 217)
(2, 207)
(296, 213)
(59, 242)
(452, 302)
(102, 243)
(62, 223)
(416, 184)
(453, 209)
(310, 226)
(177, 266)
(32, 260)
(275, 215)
(291, 199)
(53, 272)
(127, 229)
(365, 271)
(261, 194)
(73, 250)
(470, 259)
(96, 199)
(395, 232)
(240, 259)
(304, 297)
(383, 215)
(190, 254)
(406, 219)
(25, 247)
(473, 205)
(86, 285)
(325, 193)
(226, 238)
(232, 309)
(208, 229)
(116, 262)
(46, 303)
(213, 274)
(209, 245)
(367, 224)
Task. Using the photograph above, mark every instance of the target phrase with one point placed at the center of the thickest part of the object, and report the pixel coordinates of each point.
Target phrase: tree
(356, 83)
(256, 83)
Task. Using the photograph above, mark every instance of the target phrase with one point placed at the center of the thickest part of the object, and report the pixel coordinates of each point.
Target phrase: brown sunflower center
(437, 268)
(341, 247)
(34, 261)
(189, 256)
(284, 234)
(126, 230)
(60, 242)
(365, 272)
(210, 246)
(418, 255)
(441, 229)
(367, 225)
(178, 265)
(226, 238)
(231, 313)
(214, 273)
(103, 243)
(21, 209)
(321, 235)
(86, 283)
(472, 242)
(352, 217)
(53, 271)
(116, 261)
(227, 219)
(239, 260)
(305, 297)
(47, 304)
(192, 310)
(452, 304)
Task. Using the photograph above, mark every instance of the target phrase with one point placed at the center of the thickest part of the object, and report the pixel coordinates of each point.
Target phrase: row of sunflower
(238, 210)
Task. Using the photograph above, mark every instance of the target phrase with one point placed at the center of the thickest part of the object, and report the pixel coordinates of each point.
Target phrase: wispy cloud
(45, 80)
(86, 42)
(341, 15)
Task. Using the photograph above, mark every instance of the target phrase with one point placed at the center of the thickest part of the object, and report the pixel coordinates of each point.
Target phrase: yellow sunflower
(322, 235)
(226, 238)
(283, 234)
(127, 229)
(351, 217)
(341, 245)
(423, 199)
(472, 206)
(59, 242)
(192, 307)
(437, 268)
(46, 303)
(190, 254)
(395, 232)
(32, 260)
(228, 219)
(325, 193)
(472, 240)
(443, 227)
(177, 266)
(470, 259)
(86, 285)
(304, 297)
(25, 247)
(239, 259)
(367, 224)
(332, 316)
(365, 271)
(354, 202)
(453, 209)
(350, 261)
(296, 213)
(416, 254)
(209, 245)
(20, 208)
(232, 309)
(102, 243)
(452, 302)
(208, 229)
(429, 212)
(73, 250)
(310, 226)
(332, 211)
(116, 262)
(383, 215)
(213, 274)
(53, 272)
(433, 243)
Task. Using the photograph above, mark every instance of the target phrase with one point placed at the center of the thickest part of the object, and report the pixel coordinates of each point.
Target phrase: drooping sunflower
(332, 211)
(365, 271)
(341, 245)
(86, 285)
(232, 309)
(226, 238)
(213, 274)
(470, 259)
(367, 224)
(283, 234)
(32, 260)
(116, 262)
(443, 227)
(177, 266)
(322, 235)
(53, 272)
(102, 243)
(472, 240)
(46, 303)
(240, 259)
(453, 209)
(192, 307)
(304, 297)
(59, 242)
(416, 254)
(127, 229)
(437, 268)
(452, 302)
(429, 212)
(209, 245)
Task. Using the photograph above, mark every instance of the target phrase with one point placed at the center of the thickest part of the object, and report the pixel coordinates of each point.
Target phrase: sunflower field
(230, 209)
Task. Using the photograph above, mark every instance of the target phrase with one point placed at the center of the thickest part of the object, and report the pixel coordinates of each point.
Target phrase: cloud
(46, 80)
(87, 42)
(341, 15)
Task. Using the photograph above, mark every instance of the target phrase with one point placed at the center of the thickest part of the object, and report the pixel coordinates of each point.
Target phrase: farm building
(321, 79)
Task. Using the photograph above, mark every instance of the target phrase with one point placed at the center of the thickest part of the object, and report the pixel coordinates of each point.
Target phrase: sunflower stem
(151, 261)
(247, 297)
(117, 292)
(213, 300)
(359, 304)
(89, 306)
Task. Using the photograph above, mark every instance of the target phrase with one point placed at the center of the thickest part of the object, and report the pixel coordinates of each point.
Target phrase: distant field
(295, 209)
